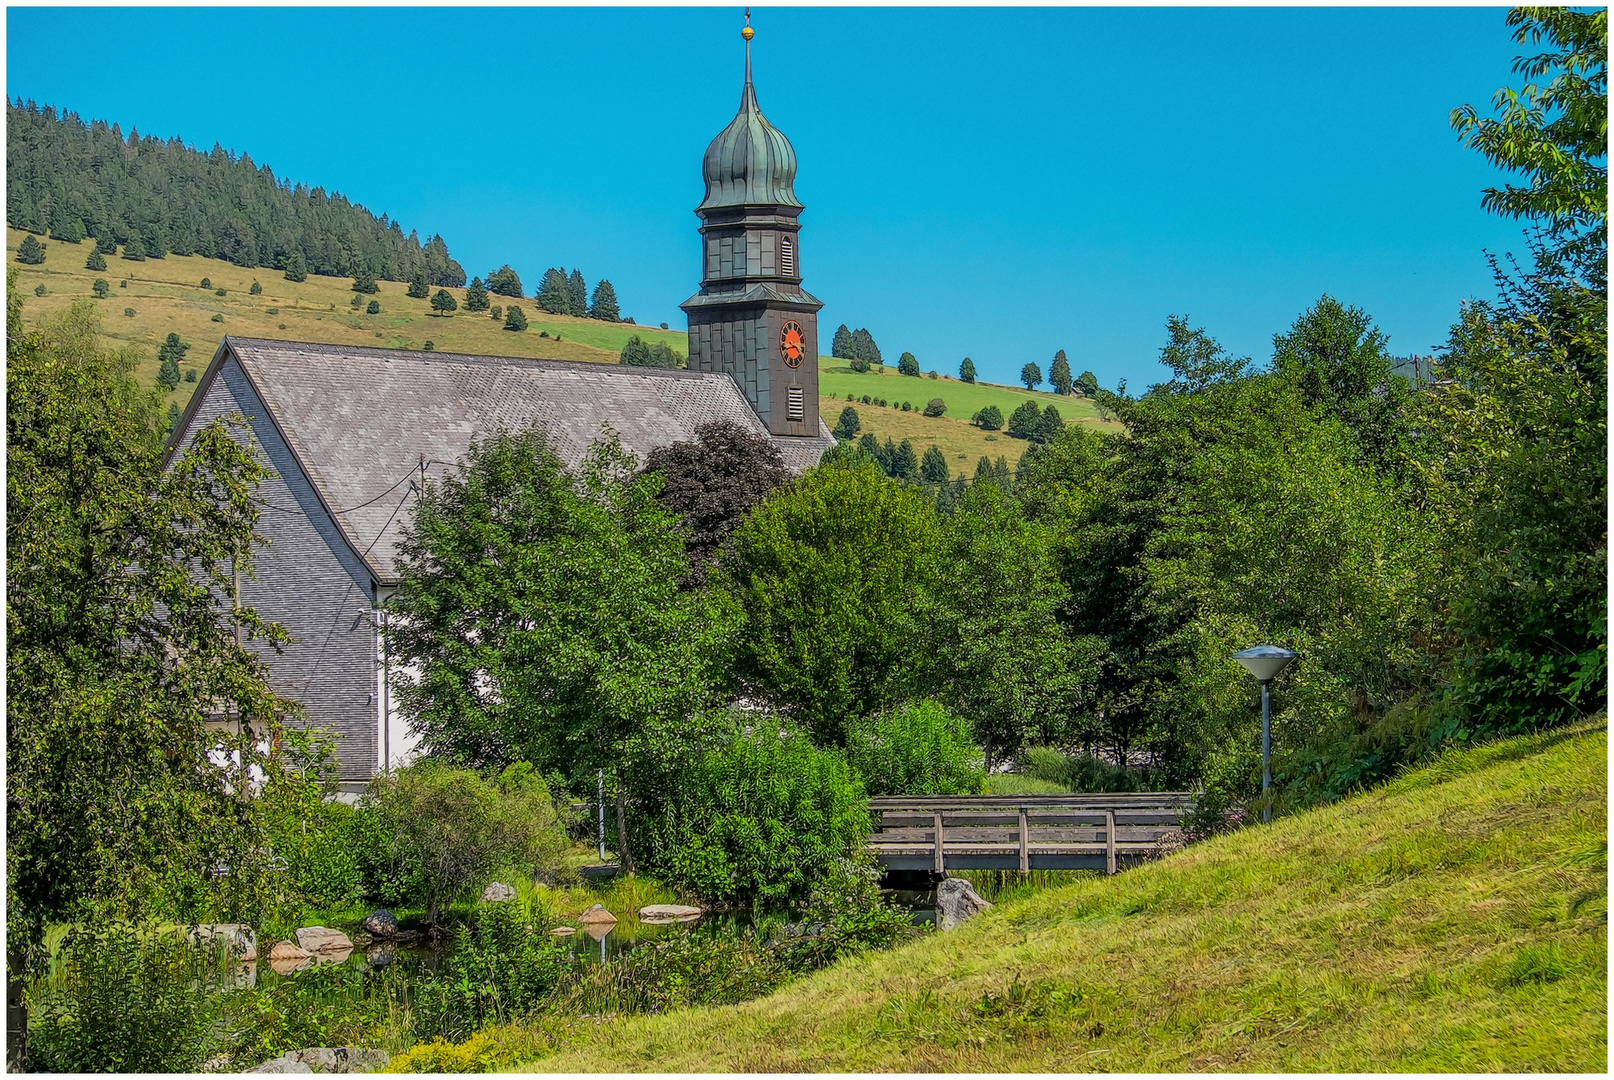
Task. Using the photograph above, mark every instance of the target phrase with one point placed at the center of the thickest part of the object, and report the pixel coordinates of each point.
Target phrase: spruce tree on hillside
(172, 349)
(256, 289)
(296, 267)
(504, 282)
(554, 295)
(1026, 421)
(905, 463)
(134, 250)
(105, 245)
(418, 289)
(869, 445)
(864, 348)
(476, 297)
(515, 318)
(1031, 375)
(443, 302)
(1087, 383)
(30, 252)
(841, 346)
(847, 427)
(577, 295)
(908, 364)
(96, 261)
(1059, 373)
(635, 353)
(364, 282)
(933, 468)
(168, 373)
(966, 371)
(604, 306)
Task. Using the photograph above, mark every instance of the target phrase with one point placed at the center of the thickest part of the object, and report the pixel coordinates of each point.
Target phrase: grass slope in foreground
(1425, 925)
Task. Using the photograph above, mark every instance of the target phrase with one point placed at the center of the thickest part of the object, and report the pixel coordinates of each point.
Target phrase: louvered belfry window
(795, 404)
(787, 256)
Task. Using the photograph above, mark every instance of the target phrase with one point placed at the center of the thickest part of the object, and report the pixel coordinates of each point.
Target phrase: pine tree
(373, 307)
(869, 445)
(174, 415)
(905, 463)
(841, 347)
(364, 282)
(476, 297)
(661, 356)
(966, 371)
(1031, 375)
(848, 425)
(1059, 373)
(96, 261)
(554, 295)
(577, 295)
(1049, 427)
(864, 348)
(296, 267)
(604, 306)
(635, 353)
(419, 290)
(504, 282)
(1087, 383)
(168, 373)
(30, 252)
(908, 364)
(1026, 421)
(933, 469)
(172, 349)
(515, 318)
(105, 245)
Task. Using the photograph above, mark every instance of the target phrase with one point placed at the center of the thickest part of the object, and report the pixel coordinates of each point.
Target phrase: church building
(352, 433)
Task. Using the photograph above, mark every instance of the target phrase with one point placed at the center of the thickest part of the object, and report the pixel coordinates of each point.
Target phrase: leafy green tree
(935, 407)
(1553, 132)
(1059, 373)
(443, 302)
(504, 282)
(101, 288)
(1087, 383)
(30, 252)
(933, 468)
(419, 289)
(373, 307)
(96, 261)
(296, 267)
(1026, 421)
(907, 364)
(712, 483)
(847, 427)
(1031, 375)
(515, 318)
(966, 371)
(826, 571)
(603, 306)
(576, 294)
(364, 282)
(476, 297)
(121, 647)
(554, 295)
(989, 418)
(542, 612)
(864, 348)
(841, 346)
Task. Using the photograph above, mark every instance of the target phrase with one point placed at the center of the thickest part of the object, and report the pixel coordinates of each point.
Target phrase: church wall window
(787, 257)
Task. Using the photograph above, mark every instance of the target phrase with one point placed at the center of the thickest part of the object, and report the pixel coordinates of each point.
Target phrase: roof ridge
(478, 358)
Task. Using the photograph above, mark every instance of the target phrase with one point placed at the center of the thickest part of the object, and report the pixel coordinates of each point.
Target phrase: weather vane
(748, 33)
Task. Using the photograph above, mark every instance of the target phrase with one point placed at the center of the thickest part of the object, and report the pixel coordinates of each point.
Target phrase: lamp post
(1264, 662)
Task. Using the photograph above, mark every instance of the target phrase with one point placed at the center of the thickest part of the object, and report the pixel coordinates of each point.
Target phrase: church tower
(751, 318)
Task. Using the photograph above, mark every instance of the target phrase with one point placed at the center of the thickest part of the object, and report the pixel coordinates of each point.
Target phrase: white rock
(497, 893)
(323, 939)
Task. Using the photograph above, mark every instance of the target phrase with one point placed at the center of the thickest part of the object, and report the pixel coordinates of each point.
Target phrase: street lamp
(1264, 662)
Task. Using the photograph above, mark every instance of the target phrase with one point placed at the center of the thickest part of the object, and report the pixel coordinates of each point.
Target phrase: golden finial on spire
(748, 33)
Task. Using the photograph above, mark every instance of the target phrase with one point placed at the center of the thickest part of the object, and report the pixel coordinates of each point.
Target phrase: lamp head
(1265, 661)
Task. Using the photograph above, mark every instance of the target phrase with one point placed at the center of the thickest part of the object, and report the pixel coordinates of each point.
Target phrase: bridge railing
(1024, 832)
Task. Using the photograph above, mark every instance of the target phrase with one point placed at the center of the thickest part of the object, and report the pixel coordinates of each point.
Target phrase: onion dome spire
(750, 163)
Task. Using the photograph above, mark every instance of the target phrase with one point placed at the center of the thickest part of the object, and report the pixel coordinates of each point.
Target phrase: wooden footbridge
(1024, 832)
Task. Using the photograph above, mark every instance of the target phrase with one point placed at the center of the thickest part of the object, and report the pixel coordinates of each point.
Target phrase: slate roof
(361, 419)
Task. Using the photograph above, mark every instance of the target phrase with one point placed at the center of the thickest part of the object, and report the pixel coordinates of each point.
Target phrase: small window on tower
(787, 256)
(795, 404)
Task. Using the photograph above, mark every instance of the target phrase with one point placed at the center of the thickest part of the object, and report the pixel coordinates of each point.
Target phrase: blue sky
(992, 183)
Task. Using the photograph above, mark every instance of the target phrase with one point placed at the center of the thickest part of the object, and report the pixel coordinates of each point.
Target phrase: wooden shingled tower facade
(752, 319)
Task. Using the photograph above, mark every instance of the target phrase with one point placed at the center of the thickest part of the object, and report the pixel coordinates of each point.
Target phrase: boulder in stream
(656, 914)
(323, 939)
(597, 916)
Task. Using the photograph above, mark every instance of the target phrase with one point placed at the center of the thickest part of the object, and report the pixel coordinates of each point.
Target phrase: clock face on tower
(792, 343)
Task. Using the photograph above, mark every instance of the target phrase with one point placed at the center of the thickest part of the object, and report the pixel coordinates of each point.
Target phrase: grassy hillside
(1429, 925)
(166, 297)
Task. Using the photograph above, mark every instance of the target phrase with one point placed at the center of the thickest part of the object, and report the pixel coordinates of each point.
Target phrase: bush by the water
(1078, 772)
(761, 818)
(507, 965)
(920, 748)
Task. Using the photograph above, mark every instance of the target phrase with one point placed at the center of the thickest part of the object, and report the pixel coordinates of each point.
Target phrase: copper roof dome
(750, 163)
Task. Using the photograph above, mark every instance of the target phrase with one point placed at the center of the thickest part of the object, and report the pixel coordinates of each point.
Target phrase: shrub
(762, 818)
(505, 967)
(1078, 772)
(207, 283)
(130, 1001)
(373, 308)
(455, 829)
(498, 1050)
(358, 301)
(190, 376)
(428, 347)
(907, 407)
(327, 845)
(221, 292)
(860, 366)
(919, 748)
(271, 311)
(129, 311)
(256, 289)
(496, 313)
(96, 261)
(101, 288)
(30, 252)
(516, 319)
(218, 318)
(907, 364)
(39, 290)
(935, 407)
(989, 419)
